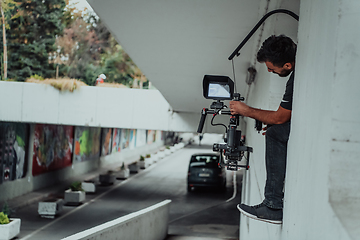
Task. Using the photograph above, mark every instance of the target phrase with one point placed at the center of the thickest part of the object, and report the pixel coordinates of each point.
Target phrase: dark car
(204, 171)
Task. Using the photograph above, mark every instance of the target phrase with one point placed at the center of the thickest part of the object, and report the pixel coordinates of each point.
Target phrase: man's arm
(280, 116)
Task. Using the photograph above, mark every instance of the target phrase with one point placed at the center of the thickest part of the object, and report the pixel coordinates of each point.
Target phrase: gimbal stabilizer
(220, 88)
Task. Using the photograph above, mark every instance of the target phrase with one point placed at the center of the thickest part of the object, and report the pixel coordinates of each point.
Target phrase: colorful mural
(106, 141)
(87, 143)
(140, 137)
(159, 135)
(116, 140)
(52, 147)
(132, 141)
(125, 138)
(13, 146)
(151, 136)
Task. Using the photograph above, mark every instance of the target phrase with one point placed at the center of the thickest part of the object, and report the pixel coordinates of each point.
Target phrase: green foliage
(148, 156)
(4, 218)
(76, 186)
(7, 210)
(34, 26)
(46, 34)
(122, 166)
(142, 158)
(37, 77)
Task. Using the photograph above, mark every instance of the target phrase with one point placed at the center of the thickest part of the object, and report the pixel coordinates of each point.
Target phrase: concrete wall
(148, 224)
(322, 181)
(29, 183)
(94, 107)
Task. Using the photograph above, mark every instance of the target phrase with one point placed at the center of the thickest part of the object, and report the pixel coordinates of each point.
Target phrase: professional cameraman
(278, 54)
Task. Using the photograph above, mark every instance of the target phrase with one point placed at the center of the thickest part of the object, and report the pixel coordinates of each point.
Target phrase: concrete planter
(88, 187)
(161, 154)
(107, 179)
(167, 152)
(74, 197)
(49, 208)
(155, 158)
(143, 164)
(10, 230)
(123, 174)
(172, 149)
(134, 168)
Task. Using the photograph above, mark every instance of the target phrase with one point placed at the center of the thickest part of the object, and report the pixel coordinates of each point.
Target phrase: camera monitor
(218, 87)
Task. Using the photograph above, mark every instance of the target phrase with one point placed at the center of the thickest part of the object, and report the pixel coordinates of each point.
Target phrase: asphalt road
(202, 213)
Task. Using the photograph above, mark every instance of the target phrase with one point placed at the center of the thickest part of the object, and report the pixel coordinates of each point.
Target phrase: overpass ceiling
(175, 43)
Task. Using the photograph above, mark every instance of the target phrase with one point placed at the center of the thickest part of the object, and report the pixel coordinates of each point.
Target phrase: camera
(221, 88)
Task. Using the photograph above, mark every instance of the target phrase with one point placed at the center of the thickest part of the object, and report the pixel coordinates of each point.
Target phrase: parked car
(204, 171)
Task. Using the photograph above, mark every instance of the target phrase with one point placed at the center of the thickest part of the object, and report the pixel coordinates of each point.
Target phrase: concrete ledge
(149, 224)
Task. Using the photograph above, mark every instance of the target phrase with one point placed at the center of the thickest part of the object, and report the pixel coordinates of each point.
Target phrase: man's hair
(278, 50)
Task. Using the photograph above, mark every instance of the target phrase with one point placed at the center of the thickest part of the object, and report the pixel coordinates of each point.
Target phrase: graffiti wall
(140, 137)
(132, 143)
(13, 146)
(116, 140)
(151, 136)
(125, 138)
(87, 143)
(106, 141)
(52, 148)
(159, 135)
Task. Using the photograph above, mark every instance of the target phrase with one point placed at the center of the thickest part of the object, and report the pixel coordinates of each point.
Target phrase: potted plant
(9, 228)
(75, 195)
(155, 157)
(172, 149)
(161, 153)
(142, 163)
(134, 167)
(167, 151)
(107, 178)
(124, 172)
(88, 186)
(50, 207)
(148, 159)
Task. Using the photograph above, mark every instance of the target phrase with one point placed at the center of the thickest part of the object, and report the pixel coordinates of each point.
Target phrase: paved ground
(203, 214)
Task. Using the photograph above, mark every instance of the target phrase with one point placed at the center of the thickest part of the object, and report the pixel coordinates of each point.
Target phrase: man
(278, 54)
(100, 79)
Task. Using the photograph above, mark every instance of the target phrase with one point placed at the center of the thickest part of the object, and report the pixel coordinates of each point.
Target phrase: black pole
(236, 52)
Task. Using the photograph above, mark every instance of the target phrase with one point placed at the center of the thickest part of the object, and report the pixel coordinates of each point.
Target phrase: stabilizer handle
(202, 120)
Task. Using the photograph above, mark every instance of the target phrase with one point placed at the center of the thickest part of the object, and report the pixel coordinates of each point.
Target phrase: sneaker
(262, 213)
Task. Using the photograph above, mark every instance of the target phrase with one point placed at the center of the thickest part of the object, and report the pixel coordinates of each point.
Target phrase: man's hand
(237, 107)
(280, 116)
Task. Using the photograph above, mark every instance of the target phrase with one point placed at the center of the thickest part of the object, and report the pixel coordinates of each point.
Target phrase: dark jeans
(277, 137)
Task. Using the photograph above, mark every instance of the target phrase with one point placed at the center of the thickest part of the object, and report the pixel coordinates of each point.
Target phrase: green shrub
(37, 77)
(4, 218)
(76, 186)
(142, 158)
(7, 210)
(148, 156)
(123, 166)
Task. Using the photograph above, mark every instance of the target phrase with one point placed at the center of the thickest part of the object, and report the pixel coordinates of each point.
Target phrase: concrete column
(322, 183)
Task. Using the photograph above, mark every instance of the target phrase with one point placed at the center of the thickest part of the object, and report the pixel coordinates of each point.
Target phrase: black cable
(236, 52)
(218, 124)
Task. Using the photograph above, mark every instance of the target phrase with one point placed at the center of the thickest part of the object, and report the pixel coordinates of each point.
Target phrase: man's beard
(284, 73)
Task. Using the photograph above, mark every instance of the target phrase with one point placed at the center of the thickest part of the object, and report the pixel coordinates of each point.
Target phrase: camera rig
(222, 88)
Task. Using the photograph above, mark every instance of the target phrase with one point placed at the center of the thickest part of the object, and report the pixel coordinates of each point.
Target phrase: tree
(90, 49)
(5, 5)
(33, 29)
